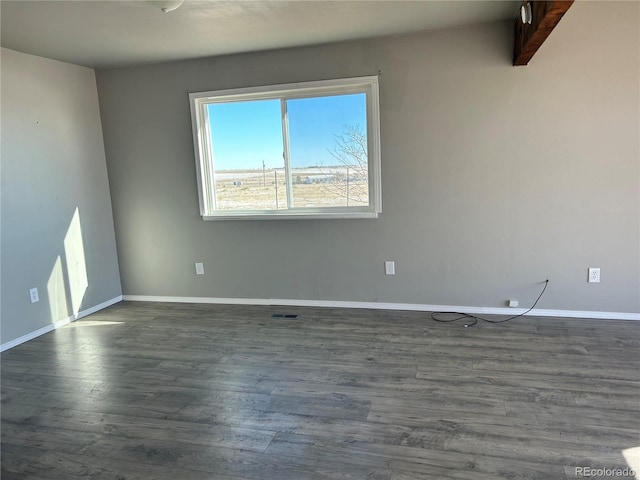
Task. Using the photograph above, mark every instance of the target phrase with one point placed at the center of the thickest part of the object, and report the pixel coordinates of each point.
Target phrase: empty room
(391, 240)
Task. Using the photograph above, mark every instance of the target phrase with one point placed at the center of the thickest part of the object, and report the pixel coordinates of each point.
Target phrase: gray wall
(57, 223)
(494, 178)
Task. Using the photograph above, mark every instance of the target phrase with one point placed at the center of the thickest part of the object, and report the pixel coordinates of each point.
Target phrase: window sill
(289, 216)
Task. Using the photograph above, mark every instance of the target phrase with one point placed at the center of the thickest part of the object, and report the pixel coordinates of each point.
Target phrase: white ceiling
(122, 32)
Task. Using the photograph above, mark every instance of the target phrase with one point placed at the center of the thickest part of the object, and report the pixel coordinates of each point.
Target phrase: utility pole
(275, 175)
(347, 185)
(264, 175)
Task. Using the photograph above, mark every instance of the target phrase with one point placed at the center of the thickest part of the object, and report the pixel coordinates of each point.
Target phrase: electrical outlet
(594, 275)
(389, 268)
(33, 295)
(199, 268)
(513, 303)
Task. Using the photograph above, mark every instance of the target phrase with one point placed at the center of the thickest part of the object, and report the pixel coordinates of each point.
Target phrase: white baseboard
(223, 301)
(59, 323)
(536, 312)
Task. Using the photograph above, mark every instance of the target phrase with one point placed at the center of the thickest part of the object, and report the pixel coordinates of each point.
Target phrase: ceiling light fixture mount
(166, 6)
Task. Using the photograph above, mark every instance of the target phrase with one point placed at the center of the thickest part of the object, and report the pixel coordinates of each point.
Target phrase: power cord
(437, 316)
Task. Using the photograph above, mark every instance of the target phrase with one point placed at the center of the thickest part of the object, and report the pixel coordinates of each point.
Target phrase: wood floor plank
(59, 439)
(157, 391)
(64, 466)
(144, 427)
(531, 379)
(241, 463)
(408, 459)
(16, 457)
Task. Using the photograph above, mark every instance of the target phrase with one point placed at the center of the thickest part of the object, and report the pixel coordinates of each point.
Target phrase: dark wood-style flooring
(181, 392)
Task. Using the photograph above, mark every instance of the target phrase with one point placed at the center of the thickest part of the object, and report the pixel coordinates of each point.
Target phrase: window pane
(246, 139)
(328, 151)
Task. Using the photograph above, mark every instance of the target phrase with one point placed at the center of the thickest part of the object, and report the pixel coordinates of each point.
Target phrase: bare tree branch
(351, 150)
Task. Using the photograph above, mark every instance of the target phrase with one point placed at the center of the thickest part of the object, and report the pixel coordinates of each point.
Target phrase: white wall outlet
(199, 268)
(594, 275)
(513, 303)
(389, 268)
(33, 295)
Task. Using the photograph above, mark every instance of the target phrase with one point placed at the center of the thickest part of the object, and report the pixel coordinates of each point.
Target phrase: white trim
(373, 135)
(418, 307)
(59, 323)
(205, 169)
(288, 215)
(223, 301)
(276, 91)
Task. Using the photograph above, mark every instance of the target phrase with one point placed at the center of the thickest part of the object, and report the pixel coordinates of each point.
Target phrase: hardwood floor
(180, 391)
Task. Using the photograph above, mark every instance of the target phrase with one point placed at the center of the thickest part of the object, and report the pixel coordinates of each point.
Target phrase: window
(303, 150)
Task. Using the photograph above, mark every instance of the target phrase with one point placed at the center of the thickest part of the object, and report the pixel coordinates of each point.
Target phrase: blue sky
(244, 134)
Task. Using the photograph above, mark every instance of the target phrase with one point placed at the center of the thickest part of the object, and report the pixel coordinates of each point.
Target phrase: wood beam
(529, 37)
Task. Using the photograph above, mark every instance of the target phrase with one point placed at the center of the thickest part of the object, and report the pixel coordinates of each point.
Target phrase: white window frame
(205, 164)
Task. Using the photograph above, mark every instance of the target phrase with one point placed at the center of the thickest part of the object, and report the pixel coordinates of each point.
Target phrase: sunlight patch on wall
(57, 292)
(76, 264)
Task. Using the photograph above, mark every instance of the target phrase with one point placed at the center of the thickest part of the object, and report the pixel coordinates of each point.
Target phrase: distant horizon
(282, 168)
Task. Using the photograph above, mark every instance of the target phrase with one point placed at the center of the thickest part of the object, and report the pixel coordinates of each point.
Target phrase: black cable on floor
(437, 316)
